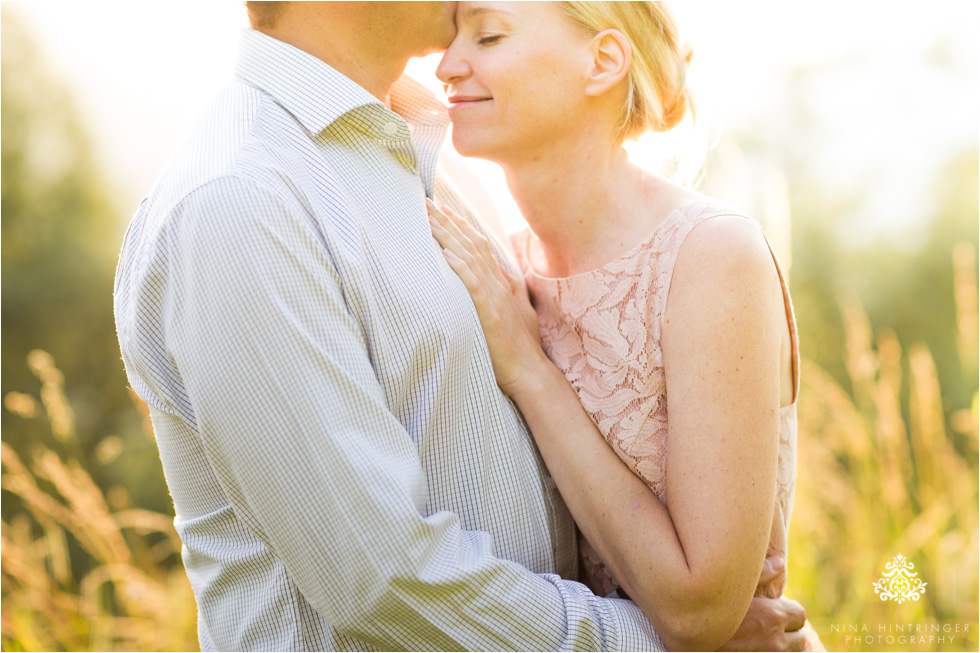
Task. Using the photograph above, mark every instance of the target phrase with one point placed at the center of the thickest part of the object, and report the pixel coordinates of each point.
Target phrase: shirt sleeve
(295, 425)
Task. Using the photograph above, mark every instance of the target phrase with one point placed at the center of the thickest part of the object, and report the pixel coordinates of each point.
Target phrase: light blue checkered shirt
(345, 472)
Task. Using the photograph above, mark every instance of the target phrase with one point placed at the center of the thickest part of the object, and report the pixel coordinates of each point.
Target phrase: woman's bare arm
(693, 569)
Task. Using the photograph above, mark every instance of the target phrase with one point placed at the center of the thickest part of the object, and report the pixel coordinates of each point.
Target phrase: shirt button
(390, 128)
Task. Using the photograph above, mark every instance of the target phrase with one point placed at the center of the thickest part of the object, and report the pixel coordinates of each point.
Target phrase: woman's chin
(467, 144)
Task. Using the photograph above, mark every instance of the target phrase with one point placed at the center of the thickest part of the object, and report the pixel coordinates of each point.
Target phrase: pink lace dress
(602, 328)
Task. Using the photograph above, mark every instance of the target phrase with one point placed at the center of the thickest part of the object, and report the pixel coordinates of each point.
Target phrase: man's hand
(770, 624)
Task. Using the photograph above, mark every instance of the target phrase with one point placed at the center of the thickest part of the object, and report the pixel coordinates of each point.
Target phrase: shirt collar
(317, 94)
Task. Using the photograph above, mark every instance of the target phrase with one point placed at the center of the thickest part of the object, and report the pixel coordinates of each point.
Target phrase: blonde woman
(663, 400)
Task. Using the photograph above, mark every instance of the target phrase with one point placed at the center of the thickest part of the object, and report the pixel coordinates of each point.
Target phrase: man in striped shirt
(345, 472)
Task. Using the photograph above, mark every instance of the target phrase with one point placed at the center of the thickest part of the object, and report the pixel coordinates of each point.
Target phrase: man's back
(323, 401)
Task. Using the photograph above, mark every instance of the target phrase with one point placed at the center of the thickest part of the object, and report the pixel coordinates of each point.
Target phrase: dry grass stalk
(131, 597)
(873, 484)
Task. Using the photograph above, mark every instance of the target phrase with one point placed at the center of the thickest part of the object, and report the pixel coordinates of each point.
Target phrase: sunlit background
(850, 129)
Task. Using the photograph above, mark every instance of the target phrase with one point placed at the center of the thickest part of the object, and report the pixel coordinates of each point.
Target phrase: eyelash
(489, 40)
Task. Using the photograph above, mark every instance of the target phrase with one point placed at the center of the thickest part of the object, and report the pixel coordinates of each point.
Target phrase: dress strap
(669, 244)
(794, 342)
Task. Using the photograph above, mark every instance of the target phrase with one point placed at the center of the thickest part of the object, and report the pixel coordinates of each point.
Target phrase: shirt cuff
(633, 629)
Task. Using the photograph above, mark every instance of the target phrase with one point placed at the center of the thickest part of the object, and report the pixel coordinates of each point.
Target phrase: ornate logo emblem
(899, 582)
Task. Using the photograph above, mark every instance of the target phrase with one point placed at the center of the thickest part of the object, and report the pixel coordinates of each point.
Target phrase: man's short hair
(263, 14)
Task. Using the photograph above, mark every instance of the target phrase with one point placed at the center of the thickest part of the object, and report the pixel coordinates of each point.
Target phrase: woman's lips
(460, 101)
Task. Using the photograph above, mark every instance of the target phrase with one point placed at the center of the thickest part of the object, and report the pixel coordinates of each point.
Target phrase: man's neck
(352, 52)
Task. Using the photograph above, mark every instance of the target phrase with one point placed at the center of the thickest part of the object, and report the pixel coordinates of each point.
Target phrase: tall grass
(882, 472)
(82, 570)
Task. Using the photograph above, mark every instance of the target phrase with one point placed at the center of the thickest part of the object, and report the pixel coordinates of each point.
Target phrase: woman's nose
(453, 68)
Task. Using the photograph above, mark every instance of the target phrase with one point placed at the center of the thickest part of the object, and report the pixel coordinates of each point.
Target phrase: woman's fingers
(513, 283)
(479, 240)
(470, 280)
(446, 232)
(508, 321)
(448, 236)
(773, 571)
(445, 238)
(481, 248)
(464, 260)
(472, 250)
(458, 236)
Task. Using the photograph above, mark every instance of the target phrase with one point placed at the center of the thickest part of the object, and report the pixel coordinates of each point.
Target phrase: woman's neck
(583, 200)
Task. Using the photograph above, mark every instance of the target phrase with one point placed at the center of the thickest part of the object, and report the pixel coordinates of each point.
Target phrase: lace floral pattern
(602, 328)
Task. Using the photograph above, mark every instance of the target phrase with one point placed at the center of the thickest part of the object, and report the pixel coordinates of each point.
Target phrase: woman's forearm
(692, 605)
(692, 570)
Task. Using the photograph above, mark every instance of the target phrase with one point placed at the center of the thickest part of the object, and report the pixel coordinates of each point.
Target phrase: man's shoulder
(232, 176)
(237, 159)
(244, 139)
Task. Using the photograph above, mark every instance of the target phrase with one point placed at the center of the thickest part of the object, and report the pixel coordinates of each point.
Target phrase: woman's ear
(611, 58)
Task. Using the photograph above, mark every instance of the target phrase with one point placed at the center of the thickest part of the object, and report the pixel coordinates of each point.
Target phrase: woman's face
(515, 75)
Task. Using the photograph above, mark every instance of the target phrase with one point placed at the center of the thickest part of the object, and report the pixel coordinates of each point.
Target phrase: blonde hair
(658, 97)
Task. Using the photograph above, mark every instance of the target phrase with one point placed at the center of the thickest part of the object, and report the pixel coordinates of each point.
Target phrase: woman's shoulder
(710, 225)
(690, 212)
(719, 226)
(706, 242)
(697, 208)
(676, 210)
(722, 253)
(723, 241)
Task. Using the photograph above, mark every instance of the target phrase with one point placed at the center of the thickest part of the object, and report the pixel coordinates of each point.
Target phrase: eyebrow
(474, 12)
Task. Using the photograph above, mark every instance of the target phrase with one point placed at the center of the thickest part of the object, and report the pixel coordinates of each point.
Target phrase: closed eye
(490, 40)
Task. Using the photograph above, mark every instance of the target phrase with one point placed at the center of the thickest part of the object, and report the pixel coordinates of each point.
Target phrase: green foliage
(62, 590)
(60, 239)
